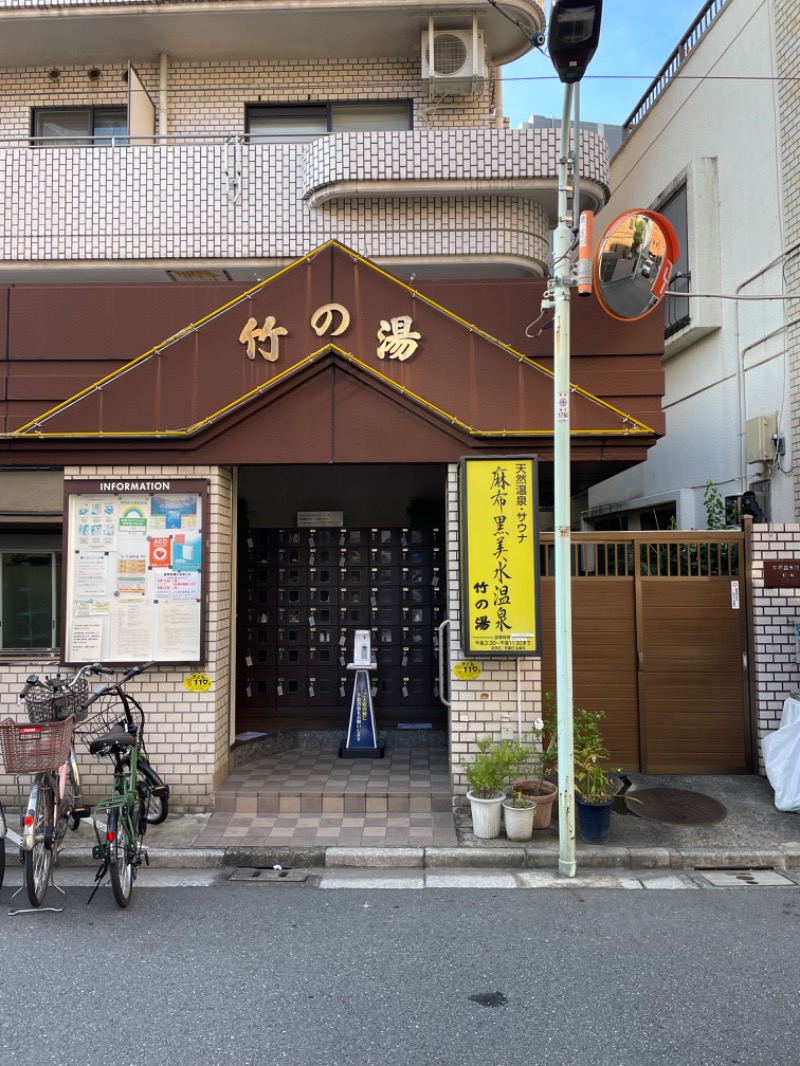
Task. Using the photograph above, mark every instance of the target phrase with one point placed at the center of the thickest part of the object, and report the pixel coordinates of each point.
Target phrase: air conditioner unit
(458, 63)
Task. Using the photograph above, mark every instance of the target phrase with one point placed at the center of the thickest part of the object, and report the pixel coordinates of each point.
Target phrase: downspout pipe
(163, 114)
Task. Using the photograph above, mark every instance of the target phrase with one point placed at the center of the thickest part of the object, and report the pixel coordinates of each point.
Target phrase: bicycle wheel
(158, 807)
(121, 850)
(39, 860)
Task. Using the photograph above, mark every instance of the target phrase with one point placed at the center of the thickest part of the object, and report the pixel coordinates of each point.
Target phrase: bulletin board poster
(134, 571)
(499, 551)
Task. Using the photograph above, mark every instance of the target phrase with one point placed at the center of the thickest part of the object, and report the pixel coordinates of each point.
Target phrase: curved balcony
(443, 163)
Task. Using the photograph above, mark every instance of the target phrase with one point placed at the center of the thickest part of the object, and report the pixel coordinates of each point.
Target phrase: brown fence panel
(604, 658)
(659, 641)
(693, 677)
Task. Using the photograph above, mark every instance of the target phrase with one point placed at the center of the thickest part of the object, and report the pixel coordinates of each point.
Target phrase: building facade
(730, 341)
(268, 275)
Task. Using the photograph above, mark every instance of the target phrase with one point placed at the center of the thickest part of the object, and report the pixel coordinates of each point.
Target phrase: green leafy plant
(594, 781)
(542, 753)
(495, 762)
(519, 800)
(715, 506)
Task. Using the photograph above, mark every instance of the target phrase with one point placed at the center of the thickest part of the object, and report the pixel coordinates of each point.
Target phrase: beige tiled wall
(187, 733)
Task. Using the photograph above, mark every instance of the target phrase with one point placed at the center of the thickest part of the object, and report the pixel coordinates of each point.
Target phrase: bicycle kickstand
(39, 910)
(98, 880)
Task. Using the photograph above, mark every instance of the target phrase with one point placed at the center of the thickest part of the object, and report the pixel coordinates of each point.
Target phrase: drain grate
(259, 875)
(732, 878)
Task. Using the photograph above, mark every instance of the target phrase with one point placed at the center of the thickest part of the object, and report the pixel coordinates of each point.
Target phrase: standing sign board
(500, 603)
(134, 570)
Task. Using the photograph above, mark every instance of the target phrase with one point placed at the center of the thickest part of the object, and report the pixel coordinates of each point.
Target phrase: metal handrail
(672, 67)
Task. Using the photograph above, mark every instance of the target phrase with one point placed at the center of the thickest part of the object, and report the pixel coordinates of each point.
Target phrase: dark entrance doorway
(363, 550)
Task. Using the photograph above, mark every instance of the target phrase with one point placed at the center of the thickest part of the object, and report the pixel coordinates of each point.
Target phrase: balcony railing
(673, 65)
(398, 194)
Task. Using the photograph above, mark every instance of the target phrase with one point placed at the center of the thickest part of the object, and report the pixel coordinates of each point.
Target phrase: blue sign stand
(362, 738)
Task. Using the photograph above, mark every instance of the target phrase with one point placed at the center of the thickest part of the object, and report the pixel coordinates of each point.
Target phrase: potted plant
(595, 786)
(518, 814)
(487, 774)
(542, 761)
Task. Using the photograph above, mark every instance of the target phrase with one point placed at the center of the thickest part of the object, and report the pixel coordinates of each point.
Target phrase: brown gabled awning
(333, 360)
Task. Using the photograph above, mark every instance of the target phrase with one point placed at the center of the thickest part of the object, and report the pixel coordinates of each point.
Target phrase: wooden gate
(659, 644)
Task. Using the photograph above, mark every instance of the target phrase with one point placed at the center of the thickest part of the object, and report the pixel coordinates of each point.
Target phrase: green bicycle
(139, 797)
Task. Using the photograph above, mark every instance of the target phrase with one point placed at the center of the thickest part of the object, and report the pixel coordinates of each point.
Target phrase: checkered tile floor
(305, 798)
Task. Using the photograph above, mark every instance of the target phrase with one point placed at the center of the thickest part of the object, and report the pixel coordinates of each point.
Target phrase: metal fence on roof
(673, 65)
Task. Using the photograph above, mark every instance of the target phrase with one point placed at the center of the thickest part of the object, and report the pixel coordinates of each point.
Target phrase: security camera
(538, 40)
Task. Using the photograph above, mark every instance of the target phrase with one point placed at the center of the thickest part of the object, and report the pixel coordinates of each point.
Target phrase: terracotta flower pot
(543, 794)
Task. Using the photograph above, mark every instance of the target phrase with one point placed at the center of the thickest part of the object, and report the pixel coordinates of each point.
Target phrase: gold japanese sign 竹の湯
(499, 556)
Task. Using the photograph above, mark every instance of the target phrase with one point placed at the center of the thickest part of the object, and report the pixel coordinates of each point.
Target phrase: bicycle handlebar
(103, 690)
(59, 684)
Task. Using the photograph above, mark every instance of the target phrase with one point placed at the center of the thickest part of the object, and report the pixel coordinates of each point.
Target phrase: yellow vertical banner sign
(499, 534)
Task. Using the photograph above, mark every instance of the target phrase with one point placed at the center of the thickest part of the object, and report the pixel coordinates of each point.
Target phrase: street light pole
(562, 277)
(573, 36)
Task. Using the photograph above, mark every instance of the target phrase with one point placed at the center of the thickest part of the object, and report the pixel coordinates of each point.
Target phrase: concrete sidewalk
(753, 834)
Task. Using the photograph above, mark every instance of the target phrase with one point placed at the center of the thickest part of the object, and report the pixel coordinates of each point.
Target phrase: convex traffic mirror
(633, 264)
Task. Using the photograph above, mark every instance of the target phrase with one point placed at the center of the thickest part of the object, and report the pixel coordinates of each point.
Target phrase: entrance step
(300, 781)
(307, 798)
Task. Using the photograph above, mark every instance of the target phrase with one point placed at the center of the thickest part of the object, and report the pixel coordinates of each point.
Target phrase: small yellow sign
(468, 670)
(197, 682)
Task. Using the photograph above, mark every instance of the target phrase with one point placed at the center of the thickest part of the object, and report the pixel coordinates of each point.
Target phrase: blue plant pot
(594, 821)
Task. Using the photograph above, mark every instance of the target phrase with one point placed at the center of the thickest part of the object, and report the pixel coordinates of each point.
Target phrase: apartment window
(305, 122)
(66, 126)
(677, 312)
(30, 592)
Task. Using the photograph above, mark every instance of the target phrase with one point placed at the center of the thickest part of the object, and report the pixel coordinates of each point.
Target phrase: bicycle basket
(29, 749)
(107, 715)
(44, 704)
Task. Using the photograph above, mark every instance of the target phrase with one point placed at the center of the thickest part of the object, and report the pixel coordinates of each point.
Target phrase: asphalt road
(261, 974)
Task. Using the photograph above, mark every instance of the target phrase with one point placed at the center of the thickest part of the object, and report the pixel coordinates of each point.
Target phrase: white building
(713, 146)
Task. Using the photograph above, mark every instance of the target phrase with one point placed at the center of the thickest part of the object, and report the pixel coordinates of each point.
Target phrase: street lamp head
(573, 36)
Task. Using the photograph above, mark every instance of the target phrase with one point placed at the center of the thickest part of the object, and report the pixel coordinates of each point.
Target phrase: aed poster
(134, 571)
(499, 551)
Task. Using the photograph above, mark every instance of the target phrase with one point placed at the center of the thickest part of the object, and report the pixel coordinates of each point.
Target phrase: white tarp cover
(782, 757)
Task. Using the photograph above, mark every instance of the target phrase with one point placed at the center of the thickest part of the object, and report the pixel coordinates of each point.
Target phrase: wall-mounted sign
(500, 607)
(197, 683)
(467, 670)
(781, 573)
(134, 571)
(314, 519)
(397, 339)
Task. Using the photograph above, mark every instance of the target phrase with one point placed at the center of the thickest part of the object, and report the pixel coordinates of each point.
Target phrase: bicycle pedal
(82, 812)
(160, 790)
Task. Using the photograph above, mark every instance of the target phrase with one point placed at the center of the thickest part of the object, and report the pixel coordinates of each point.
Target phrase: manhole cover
(255, 874)
(675, 806)
(742, 878)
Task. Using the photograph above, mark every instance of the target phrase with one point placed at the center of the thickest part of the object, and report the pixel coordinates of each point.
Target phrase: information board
(500, 605)
(134, 571)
